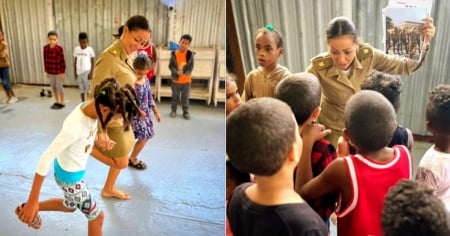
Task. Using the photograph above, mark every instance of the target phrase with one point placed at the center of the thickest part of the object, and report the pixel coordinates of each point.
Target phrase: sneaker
(42, 93)
(173, 114)
(60, 106)
(12, 100)
(186, 116)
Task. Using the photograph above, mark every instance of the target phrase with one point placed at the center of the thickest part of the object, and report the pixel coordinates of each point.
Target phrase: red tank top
(370, 181)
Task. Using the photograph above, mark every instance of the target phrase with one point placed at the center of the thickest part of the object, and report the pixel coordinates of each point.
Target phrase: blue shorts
(77, 195)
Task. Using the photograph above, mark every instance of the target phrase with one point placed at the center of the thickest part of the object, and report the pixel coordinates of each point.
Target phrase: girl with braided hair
(69, 153)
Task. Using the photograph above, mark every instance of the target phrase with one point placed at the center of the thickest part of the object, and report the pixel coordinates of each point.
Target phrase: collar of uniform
(357, 63)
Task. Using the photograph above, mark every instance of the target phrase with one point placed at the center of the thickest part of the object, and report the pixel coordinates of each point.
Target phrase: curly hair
(411, 208)
(119, 99)
(386, 84)
(438, 109)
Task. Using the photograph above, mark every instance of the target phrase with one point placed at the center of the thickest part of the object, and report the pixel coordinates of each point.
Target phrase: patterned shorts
(77, 195)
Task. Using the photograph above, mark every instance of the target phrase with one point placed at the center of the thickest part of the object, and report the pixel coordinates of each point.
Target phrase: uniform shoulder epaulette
(322, 62)
(114, 51)
(364, 51)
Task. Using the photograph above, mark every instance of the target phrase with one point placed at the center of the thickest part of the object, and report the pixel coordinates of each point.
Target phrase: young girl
(261, 82)
(143, 128)
(233, 99)
(69, 153)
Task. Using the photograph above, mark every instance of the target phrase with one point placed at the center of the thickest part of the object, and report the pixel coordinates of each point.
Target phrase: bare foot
(122, 195)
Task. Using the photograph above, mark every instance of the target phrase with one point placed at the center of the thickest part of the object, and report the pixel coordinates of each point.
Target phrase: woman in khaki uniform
(114, 143)
(347, 63)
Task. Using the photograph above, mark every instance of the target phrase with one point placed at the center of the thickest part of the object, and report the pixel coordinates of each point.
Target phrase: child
(69, 153)
(411, 208)
(55, 67)
(4, 71)
(434, 166)
(233, 99)
(143, 127)
(362, 180)
(261, 82)
(302, 93)
(181, 65)
(270, 206)
(83, 64)
(390, 87)
(150, 50)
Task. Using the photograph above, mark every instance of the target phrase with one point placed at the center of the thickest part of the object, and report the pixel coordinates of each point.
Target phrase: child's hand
(313, 132)
(343, 148)
(157, 116)
(29, 212)
(180, 73)
(63, 76)
(104, 141)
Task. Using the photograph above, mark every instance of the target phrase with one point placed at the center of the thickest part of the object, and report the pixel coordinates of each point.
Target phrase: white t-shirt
(72, 145)
(83, 57)
(434, 171)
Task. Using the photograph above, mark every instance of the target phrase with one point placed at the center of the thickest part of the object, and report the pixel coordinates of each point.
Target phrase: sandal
(37, 222)
(140, 165)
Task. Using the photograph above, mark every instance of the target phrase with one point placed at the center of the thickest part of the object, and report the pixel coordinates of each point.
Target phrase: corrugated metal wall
(26, 23)
(303, 23)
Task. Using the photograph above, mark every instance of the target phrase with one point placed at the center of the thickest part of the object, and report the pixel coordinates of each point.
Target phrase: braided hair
(119, 99)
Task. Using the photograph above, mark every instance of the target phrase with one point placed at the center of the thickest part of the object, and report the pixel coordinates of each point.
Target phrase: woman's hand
(157, 116)
(427, 29)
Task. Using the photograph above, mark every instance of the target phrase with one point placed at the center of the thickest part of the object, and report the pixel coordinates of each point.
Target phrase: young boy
(362, 180)
(434, 166)
(411, 208)
(69, 152)
(302, 93)
(390, 87)
(83, 64)
(181, 65)
(269, 147)
(55, 67)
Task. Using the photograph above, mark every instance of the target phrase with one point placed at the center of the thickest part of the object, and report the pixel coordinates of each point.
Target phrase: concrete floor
(180, 193)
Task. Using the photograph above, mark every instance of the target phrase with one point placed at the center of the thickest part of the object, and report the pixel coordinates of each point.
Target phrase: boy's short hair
(52, 32)
(369, 120)
(301, 92)
(386, 84)
(411, 208)
(438, 109)
(187, 37)
(260, 134)
(82, 35)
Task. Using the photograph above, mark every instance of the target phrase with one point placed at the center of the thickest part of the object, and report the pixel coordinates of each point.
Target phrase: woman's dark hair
(340, 26)
(119, 99)
(137, 22)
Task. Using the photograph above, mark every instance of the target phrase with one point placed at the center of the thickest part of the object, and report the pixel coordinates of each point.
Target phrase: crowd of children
(366, 182)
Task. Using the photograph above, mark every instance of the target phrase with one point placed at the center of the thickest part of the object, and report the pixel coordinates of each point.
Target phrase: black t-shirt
(400, 137)
(249, 218)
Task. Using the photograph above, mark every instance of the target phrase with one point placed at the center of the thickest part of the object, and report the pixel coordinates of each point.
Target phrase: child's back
(271, 206)
(301, 91)
(434, 167)
(362, 179)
